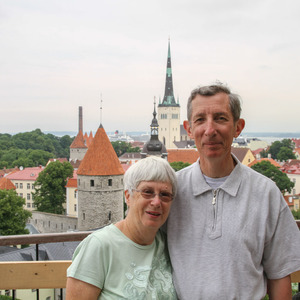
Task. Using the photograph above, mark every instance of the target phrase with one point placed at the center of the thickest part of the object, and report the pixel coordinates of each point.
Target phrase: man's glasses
(150, 194)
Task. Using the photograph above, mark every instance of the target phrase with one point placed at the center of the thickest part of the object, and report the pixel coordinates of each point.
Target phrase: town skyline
(57, 56)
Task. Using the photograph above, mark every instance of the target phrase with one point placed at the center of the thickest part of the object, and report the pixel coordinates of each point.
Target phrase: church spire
(169, 99)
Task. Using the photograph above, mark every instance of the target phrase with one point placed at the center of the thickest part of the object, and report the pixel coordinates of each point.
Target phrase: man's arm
(77, 290)
(280, 289)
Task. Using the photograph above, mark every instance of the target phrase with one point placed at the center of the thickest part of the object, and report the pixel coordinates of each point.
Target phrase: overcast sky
(60, 54)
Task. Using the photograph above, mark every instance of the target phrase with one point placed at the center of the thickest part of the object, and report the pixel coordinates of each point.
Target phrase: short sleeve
(89, 263)
(281, 255)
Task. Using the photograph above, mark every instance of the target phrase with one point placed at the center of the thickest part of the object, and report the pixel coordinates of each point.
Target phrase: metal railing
(46, 274)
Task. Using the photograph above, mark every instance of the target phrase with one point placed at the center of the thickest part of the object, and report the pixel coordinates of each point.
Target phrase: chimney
(80, 128)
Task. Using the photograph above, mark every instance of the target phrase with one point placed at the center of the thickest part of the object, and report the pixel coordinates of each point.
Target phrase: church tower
(154, 147)
(169, 111)
(100, 185)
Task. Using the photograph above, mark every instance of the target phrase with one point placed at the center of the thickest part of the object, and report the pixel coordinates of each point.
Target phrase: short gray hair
(151, 168)
(211, 90)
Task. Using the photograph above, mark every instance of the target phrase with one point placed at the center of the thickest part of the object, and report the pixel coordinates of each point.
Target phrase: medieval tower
(100, 185)
(169, 111)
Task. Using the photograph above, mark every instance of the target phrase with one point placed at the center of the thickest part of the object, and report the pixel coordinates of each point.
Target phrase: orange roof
(272, 161)
(6, 184)
(72, 182)
(184, 155)
(78, 141)
(101, 158)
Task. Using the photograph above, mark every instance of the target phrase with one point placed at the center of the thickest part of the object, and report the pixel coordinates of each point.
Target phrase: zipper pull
(214, 197)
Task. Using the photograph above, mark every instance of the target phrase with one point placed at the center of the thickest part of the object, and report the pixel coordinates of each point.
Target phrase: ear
(127, 197)
(187, 127)
(240, 124)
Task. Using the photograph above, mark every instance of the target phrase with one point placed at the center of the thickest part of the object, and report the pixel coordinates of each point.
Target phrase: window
(92, 182)
(28, 186)
(109, 182)
(75, 207)
(28, 196)
(16, 185)
(21, 185)
(83, 216)
(32, 186)
(28, 205)
(21, 195)
(75, 194)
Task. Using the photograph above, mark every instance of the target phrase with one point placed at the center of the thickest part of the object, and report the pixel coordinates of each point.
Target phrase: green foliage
(178, 165)
(13, 216)
(280, 178)
(296, 214)
(30, 149)
(285, 153)
(123, 147)
(50, 191)
(275, 148)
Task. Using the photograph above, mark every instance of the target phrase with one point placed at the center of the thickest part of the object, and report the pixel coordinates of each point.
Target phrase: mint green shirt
(123, 269)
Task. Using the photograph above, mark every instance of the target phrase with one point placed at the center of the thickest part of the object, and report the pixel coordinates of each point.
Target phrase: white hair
(151, 168)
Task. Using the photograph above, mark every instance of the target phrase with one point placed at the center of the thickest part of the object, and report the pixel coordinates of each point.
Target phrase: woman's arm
(77, 289)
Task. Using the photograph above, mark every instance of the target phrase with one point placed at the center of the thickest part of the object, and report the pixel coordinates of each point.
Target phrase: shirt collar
(230, 186)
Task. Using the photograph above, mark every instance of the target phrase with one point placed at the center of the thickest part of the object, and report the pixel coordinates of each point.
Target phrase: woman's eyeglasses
(150, 194)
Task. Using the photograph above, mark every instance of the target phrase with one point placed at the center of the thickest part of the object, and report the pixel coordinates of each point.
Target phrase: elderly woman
(129, 259)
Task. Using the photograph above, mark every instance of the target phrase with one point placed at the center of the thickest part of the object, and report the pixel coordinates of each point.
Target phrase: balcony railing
(45, 274)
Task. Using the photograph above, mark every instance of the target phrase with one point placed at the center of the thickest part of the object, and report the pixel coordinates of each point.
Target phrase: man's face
(212, 126)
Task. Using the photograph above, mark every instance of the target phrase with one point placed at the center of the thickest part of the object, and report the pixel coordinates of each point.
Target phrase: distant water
(269, 137)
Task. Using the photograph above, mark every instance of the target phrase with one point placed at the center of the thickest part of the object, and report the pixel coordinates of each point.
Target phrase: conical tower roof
(78, 141)
(169, 99)
(101, 158)
(6, 184)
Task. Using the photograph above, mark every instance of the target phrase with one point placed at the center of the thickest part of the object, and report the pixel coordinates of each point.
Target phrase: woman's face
(152, 212)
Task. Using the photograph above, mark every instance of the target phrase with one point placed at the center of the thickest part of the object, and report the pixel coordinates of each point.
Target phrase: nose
(210, 129)
(155, 201)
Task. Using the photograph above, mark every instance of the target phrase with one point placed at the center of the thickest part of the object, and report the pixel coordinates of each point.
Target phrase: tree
(277, 145)
(285, 153)
(123, 147)
(280, 178)
(178, 165)
(50, 191)
(13, 216)
(296, 214)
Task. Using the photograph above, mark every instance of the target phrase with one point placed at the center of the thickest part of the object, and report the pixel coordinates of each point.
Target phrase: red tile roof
(184, 155)
(78, 141)
(100, 158)
(291, 166)
(297, 143)
(6, 184)
(72, 182)
(26, 174)
(272, 161)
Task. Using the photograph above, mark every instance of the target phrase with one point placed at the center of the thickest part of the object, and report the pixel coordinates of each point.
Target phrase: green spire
(169, 99)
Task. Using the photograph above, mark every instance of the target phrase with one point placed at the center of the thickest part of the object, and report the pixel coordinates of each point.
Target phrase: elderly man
(230, 233)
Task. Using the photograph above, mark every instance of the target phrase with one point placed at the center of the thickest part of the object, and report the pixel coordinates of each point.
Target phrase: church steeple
(154, 124)
(169, 99)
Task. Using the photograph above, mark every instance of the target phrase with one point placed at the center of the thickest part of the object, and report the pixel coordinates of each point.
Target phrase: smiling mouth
(153, 214)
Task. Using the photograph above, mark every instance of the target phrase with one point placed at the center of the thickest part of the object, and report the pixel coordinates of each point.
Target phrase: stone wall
(51, 223)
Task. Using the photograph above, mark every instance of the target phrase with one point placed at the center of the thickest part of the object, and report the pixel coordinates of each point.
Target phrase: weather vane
(101, 108)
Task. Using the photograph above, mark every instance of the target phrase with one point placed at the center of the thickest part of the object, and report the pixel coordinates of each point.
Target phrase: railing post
(37, 258)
